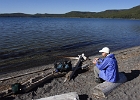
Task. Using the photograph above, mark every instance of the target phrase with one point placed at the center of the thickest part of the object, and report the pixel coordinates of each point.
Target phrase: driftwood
(66, 96)
(77, 66)
(37, 80)
(32, 83)
(19, 75)
(103, 89)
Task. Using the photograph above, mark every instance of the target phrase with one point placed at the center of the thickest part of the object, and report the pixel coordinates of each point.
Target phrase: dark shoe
(99, 80)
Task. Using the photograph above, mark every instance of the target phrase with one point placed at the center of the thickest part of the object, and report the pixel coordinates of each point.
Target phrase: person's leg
(96, 72)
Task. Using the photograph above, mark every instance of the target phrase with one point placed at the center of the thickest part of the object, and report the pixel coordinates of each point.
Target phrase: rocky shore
(128, 62)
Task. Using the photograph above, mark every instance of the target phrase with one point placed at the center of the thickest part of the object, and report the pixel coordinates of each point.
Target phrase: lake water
(30, 42)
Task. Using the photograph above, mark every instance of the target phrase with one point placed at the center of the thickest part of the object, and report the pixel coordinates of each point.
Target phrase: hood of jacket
(110, 56)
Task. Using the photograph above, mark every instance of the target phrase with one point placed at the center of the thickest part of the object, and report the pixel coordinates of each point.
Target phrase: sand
(128, 62)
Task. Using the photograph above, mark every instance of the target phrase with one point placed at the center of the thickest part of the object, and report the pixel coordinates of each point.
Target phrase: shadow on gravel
(84, 97)
(42, 84)
(132, 75)
(80, 71)
(7, 98)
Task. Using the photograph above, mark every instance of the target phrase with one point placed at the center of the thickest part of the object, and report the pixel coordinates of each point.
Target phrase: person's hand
(95, 60)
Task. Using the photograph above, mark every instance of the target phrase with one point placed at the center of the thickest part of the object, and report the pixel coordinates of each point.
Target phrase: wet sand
(128, 62)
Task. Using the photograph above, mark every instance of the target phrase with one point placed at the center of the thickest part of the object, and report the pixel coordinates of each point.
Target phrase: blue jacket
(108, 68)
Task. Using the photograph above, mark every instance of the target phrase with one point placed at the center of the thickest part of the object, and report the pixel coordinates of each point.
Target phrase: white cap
(105, 49)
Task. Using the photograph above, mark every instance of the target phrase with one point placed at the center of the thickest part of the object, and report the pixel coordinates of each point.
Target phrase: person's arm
(97, 60)
(102, 64)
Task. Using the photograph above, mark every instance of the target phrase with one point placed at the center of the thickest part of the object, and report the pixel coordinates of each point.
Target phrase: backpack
(63, 66)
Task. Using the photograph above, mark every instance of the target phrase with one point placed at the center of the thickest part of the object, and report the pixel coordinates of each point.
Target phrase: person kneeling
(106, 69)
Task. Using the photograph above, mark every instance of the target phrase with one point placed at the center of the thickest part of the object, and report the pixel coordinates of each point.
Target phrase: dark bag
(16, 88)
(63, 66)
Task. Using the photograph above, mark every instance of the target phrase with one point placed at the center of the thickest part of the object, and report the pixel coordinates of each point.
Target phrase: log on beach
(34, 83)
(22, 74)
(103, 89)
(76, 67)
(66, 96)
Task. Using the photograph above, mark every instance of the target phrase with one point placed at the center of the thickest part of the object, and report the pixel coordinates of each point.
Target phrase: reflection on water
(38, 41)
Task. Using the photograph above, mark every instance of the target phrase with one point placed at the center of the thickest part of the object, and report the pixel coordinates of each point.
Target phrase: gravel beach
(128, 62)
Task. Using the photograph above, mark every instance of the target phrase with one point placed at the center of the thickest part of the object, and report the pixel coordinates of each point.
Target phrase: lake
(31, 42)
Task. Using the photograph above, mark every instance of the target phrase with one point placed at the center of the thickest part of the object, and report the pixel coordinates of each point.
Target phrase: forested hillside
(132, 13)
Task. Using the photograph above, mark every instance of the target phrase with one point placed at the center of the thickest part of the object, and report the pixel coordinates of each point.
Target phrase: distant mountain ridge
(132, 13)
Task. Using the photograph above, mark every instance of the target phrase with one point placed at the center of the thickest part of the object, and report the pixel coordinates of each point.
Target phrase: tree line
(133, 13)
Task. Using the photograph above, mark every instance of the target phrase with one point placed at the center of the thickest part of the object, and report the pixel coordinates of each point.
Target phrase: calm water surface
(29, 42)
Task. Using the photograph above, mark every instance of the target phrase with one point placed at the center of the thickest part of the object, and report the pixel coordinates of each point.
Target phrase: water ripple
(38, 37)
